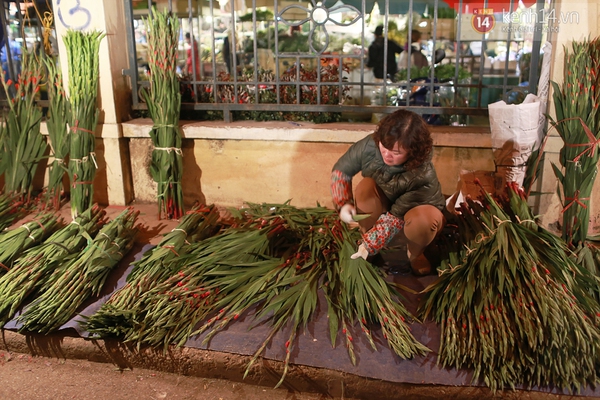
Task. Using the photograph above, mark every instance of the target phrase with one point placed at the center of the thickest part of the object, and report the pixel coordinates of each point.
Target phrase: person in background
(376, 55)
(193, 56)
(226, 50)
(417, 58)
(400, 190)
(15, 58)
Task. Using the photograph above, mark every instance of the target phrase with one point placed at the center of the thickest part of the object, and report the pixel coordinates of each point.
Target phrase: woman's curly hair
(411, 131)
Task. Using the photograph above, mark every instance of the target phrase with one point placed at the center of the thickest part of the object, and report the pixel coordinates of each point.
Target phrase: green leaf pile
(514, 306)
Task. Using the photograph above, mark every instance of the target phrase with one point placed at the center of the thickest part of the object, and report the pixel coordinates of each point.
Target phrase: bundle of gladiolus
(33, 268)
(21, 141)
(12, 208)
(57, 122)
(269, 266)
(164, 103)
(576, 105)
(14, 242)
(115, 316)
(82, 277)
(84, 70)
(513, 305)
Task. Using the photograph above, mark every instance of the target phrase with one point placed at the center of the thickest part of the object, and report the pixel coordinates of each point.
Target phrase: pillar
(113, 183)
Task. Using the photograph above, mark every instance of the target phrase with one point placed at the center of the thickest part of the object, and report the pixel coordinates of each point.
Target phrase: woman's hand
(362, 252)
(347, 213)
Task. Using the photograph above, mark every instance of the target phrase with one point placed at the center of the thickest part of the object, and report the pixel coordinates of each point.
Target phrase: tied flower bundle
(577, 122)
(57, 124)
(23, 145)
(15, 241)
(514, 306)
(11, 209)
(168, 312)
(115, 317)
(32, 270)
(269, 266)
(84, 276)
(164, 104)
(83, 68)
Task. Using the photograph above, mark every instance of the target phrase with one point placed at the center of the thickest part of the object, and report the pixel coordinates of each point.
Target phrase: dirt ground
(25, 377)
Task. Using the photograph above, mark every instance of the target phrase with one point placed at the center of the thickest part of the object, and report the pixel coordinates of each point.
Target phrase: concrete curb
(221, 365)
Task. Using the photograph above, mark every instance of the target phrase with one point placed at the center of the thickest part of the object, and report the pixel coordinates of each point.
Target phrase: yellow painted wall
(231, 172)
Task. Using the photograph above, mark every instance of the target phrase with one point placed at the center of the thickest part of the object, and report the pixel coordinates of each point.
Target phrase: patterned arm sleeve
(386, 227)
(341, 188)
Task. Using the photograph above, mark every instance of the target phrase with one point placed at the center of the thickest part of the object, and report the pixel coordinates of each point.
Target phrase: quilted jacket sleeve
(344, 169)
(380, 235)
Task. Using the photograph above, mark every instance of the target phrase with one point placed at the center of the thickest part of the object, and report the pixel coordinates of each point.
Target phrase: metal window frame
(362, 85)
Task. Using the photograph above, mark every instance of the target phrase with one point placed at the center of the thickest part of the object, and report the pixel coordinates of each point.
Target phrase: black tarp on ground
(313, 347)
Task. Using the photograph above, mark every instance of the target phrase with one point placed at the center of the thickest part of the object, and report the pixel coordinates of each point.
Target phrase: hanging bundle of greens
(82, 277)
(515, 308)
(83, 66)
(269, 267)
(34, 267)
(23, 145)
(15, 241)
(57, 123)
(577, 122)
(114, 318)
(164, 104)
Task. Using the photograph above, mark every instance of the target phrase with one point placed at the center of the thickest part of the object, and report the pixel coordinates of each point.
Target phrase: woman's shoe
(420, 265)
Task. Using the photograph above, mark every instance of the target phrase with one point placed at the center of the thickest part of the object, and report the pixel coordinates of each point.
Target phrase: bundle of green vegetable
(114, 318)
(31, 271)
(83, 66)
(81, 277)
(15, 241)
(57, 123)
(273, 261)
(164, 104)
(23, 145)
(514, 306)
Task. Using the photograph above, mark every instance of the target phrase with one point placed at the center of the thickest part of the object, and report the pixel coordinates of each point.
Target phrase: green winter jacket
(405, 189)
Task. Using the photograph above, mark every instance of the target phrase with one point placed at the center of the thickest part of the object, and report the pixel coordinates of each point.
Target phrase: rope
(575, 199)
(86, 159)
(177, 150)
